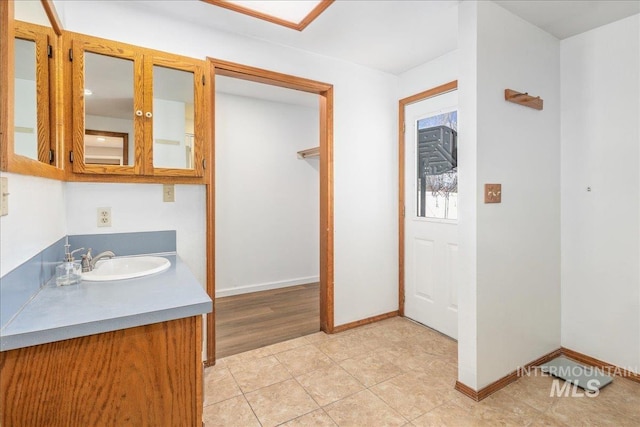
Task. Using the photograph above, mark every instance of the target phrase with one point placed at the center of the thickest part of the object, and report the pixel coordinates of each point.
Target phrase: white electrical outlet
(104, 217)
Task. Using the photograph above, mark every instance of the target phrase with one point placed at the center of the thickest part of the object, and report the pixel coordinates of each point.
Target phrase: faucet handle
(69, 255)
(86, 262)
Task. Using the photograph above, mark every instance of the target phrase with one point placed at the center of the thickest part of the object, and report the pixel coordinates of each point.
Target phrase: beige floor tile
(413, 395)
(317, 418)
(319, 337)
(303, 359)
(534, 390)
(260, 373)
(344, 347)
(592, 411)
(329, 384)
(462, 411)
(288, 345)
(623, 395)
(410, 369)
(374, 341)
(279, 403)
(399, 329)
(437, 344)
(363, 409)
(238, 360)
(371, 369)
(416, 360)
(449, 415)
(234, 412)
(219, 385)
(500, 409)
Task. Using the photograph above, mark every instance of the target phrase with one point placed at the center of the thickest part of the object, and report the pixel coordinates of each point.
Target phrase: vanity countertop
(58, 313)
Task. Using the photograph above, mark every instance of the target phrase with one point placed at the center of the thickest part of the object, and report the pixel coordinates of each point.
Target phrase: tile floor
(391, 373)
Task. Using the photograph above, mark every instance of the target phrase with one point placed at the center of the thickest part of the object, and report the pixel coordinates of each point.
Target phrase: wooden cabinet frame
(47, 73)
(143, 61)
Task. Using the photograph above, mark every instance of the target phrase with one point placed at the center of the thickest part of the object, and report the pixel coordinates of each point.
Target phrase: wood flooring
(249, 321)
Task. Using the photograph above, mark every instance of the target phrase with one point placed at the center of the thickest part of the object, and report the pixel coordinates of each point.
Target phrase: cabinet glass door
(108, 109)
(174, 118)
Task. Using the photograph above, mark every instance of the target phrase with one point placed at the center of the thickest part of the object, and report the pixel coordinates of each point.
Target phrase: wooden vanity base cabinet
(144, 376)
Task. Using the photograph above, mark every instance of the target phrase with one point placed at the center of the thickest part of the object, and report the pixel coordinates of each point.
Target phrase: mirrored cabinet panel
(173, 127)
(26, 100)
(107, 103)
(108, 110)
(33, 136)
(178, 102)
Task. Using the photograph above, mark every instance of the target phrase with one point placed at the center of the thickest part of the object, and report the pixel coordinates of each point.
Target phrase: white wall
(517, 259)
(365, 152)
(139, 207)
(601, 228)
(36, 219)
(267, 200)
(441, 70)
(467, 194)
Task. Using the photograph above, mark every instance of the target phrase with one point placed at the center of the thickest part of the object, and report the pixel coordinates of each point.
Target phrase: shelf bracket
(310, 152)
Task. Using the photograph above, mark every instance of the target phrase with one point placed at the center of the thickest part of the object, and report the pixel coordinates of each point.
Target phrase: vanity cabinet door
(108, 108)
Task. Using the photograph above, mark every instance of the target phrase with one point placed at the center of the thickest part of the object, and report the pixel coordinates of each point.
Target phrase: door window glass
(437, 166)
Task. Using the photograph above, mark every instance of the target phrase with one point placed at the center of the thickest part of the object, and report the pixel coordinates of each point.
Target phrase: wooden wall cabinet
(28, 88)
(157, 98)
(144, 376)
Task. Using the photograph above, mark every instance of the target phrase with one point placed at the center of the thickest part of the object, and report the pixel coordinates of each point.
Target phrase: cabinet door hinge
(71, 156)
(403, 207)
(71, 55)
(50, 51)
(52, 156)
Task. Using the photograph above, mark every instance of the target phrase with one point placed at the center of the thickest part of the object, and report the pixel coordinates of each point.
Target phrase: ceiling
(392, 36)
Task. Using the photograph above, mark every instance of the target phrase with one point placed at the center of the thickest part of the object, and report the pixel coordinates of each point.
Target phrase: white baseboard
(265, 286)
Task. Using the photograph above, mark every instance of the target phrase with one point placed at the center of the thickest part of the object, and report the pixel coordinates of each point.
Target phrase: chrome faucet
(89, 262)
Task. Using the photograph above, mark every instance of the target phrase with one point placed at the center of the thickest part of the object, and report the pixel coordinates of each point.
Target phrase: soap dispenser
(70, 271)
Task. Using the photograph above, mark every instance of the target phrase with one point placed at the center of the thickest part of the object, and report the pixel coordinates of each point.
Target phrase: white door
(431, 196)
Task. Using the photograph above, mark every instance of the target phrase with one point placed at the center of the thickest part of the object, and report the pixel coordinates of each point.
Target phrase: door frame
(325, 94)
(430, 93)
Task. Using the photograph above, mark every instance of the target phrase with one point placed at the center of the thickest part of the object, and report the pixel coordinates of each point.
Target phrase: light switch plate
(493, 193)
(168, 193)
(4, 196)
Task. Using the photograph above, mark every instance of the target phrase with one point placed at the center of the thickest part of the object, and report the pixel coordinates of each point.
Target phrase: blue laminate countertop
(63, 312)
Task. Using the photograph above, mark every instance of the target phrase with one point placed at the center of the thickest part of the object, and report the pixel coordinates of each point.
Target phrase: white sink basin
(126, 268)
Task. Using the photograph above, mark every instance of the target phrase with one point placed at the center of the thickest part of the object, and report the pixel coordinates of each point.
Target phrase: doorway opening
(428, 208)
(324, 94)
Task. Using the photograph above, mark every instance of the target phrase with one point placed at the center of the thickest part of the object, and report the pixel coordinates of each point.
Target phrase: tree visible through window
(437, 166)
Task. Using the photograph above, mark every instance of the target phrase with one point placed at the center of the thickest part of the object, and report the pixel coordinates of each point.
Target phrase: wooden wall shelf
(525, 99)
